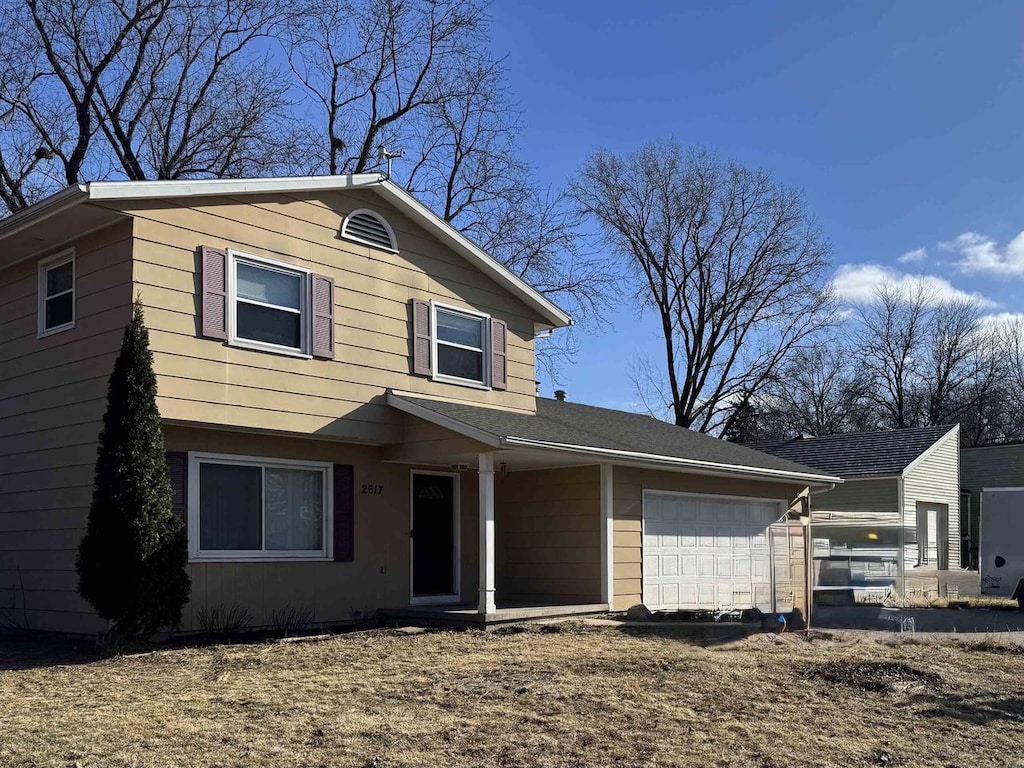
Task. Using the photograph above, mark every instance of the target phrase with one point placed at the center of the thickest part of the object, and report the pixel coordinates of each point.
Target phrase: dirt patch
(875, 676)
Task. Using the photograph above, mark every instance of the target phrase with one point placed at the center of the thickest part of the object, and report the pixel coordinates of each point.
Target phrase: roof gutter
(672, 461)
(51, 206)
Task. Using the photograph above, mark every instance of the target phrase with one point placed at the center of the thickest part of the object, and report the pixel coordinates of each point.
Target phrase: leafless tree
(727, 257)
(136, 88)
(415, 75)
(890, 338)
(821, 390)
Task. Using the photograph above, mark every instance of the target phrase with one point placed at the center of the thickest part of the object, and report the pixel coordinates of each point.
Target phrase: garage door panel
(707, 553)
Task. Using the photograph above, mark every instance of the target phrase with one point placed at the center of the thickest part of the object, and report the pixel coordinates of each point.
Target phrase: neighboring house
(894, 524)
(987, 466)
(349, 401)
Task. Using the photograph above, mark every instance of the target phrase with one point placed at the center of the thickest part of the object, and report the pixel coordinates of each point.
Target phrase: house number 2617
(373, 490)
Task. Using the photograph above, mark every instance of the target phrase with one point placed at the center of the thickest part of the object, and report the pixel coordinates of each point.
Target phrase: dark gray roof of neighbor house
(858, 454)
(575, 425)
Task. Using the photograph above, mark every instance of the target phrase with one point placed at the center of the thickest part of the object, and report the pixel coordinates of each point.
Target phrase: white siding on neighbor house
(934, 479)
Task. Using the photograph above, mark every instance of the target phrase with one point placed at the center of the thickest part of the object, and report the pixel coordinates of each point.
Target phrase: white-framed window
(57, 293)
(269, 303)
(250, 508)
(460, 353)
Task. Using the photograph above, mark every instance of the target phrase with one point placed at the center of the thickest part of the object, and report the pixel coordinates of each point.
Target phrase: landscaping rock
(639, 612)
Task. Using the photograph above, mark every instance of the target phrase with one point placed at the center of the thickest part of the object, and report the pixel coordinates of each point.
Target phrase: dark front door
(433, 535)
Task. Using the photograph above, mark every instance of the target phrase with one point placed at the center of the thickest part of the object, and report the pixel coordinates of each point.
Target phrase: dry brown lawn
(569, 696)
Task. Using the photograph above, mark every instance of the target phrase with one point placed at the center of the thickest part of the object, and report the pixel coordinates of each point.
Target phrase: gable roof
(404, 201)
(586, 429)
(859, 454)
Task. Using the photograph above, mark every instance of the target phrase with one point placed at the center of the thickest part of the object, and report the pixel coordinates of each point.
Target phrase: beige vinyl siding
(205, 380)
(330, 592)
(629, 483)
(548, 536)
(52, 397)
(935, 479)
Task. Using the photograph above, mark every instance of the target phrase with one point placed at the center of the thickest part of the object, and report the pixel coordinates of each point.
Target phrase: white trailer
(1001, 544)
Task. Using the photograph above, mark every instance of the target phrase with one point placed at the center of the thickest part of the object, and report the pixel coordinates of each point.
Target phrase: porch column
(607, 536)
(486, 470)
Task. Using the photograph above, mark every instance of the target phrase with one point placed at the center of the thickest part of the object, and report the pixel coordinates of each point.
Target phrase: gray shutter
(420, 337)
(323, 317)
(499, 354)
(344, 513)
(215, 293)
(177, 467)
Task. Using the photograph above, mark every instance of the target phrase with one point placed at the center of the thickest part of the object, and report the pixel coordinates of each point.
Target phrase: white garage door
(703, 552)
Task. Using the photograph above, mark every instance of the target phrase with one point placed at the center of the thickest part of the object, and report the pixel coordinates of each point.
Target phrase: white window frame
(45, 265)
(197, 555)
(305, 305)
(381, 220)
(923, 511)
(485, 349)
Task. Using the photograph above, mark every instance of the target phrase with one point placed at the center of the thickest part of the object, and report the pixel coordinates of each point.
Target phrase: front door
(435, 537)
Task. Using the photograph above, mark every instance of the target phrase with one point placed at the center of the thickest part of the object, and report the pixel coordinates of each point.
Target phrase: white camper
(1001, 545)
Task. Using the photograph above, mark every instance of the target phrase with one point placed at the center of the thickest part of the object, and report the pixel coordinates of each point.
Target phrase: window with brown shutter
(323, 316)
(215, 293)
(420, 337)
(344, 513)
(499, 354)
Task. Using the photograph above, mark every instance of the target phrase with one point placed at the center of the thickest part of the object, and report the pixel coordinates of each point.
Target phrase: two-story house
(348, 390)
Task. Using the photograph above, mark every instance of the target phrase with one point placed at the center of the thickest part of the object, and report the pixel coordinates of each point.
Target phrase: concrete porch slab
(465, 615)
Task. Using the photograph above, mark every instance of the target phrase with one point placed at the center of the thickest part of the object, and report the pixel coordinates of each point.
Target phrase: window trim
(197, 555)
(356, 239)
(485, 349)
(45, 265)
(304, 350)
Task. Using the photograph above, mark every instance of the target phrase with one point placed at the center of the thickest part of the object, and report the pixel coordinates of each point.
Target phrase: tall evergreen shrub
(131, 562)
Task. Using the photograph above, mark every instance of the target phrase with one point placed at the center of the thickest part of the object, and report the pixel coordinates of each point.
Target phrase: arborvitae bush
(131, 562)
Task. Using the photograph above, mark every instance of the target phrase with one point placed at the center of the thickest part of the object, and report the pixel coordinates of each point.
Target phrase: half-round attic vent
(366, 226)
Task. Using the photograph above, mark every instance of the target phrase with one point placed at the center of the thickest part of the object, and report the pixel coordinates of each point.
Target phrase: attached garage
(704, 552)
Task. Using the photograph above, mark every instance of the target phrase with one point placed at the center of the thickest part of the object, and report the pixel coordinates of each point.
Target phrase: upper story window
(57, 293)
(243, 508)
(269, 302)
(370, 228)
(460, 345)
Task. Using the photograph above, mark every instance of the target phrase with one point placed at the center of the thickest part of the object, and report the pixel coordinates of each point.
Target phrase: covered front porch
(501, 536)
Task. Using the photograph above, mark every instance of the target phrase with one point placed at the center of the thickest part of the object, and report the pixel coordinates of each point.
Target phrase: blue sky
(903, 122)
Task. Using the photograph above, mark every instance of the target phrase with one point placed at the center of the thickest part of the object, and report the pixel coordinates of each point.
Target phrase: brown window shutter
(499, 354)
(420, 337)
(323, 317)
(215, 293)
(177, 466)
(344, 513)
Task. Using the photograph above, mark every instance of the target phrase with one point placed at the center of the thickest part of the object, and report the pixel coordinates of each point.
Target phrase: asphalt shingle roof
(859, 454)
(588, 426)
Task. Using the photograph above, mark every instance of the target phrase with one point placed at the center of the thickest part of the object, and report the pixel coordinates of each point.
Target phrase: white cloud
(916, 256)
(1001, 319)
(980, 253)
(859, 283)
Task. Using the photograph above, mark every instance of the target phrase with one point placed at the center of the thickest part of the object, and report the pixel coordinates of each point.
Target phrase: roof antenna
(383, 154)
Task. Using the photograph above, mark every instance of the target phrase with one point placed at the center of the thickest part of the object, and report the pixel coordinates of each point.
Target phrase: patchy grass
(579, 696)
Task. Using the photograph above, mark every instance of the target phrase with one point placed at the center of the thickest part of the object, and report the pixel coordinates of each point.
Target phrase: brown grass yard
(568, 696)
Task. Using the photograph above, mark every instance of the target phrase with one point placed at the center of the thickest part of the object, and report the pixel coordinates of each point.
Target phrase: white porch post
(607, 537)
(486, 470)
